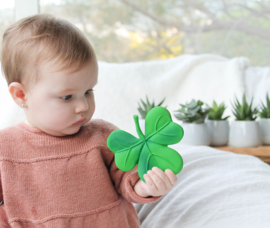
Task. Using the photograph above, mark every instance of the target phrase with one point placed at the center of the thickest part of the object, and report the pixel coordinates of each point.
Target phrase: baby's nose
(81, 106)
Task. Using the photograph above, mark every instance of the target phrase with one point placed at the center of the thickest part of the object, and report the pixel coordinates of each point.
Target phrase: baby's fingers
(150, 185)
(158, 181)
(163, 176)
(172, 177)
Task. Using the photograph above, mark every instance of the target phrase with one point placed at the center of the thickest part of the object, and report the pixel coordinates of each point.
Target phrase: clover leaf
(151, 149)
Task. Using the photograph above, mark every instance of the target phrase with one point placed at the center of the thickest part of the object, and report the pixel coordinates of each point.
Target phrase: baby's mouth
(80, 121)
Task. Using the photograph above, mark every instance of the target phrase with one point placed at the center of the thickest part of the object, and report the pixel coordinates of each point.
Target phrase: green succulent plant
(147, 106)
(216, 111)
(244, 111)
(192, 112)
(264, 111)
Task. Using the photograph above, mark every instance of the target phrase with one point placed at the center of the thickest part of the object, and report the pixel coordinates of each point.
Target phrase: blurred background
(132, 31)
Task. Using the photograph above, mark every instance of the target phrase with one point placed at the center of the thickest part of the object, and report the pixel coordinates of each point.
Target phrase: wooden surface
(262, 152)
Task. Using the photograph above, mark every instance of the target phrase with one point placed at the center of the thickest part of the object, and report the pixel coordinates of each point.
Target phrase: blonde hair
(40, 38)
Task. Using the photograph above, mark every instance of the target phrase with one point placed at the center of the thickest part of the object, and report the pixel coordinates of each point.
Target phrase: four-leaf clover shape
(150, 150)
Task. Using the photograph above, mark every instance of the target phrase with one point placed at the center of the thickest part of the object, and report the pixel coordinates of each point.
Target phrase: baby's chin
(65, 132)
(73, 130)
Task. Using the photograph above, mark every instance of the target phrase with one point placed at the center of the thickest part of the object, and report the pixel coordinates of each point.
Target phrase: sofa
(215, 188)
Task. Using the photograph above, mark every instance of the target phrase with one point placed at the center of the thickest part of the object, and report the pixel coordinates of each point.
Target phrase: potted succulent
(244, 131)
(144, 109)
(264, 121)
(193, 116)
(218, 127)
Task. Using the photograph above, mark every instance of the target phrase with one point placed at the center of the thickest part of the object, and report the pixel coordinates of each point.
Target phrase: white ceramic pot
(195, 134)
(219, 132)
(142, 125)
(265, 130)
(245, 134)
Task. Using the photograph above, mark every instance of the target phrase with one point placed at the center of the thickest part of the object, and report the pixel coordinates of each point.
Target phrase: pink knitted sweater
(71, 181)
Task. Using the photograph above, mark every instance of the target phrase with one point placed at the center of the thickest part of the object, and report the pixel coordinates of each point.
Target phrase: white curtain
(25, 8)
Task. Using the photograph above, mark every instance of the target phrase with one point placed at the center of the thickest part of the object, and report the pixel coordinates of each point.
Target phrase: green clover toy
(150, 150)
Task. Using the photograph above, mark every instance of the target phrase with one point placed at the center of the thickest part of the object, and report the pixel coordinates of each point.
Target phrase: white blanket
(205, 77)
(215, 189)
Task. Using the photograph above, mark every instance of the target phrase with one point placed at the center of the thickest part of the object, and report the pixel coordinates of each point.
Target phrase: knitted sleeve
(124, 182)
(3, 216)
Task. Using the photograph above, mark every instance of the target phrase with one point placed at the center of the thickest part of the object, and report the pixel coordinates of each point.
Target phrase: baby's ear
(17, 92)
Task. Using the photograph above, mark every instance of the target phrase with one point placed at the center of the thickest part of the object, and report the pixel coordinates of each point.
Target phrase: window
(6, 16)
(130, 31)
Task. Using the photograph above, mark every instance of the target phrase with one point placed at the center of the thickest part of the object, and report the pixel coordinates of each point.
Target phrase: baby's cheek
(59, 116)
(63, 115)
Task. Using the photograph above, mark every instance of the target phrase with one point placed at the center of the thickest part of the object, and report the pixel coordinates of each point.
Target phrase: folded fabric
(214, 189)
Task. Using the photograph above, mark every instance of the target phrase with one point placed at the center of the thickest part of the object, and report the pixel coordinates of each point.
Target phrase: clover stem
(139, 131)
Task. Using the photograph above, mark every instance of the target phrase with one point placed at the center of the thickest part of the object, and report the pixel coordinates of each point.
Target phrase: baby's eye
(88, 91)
(66, 97)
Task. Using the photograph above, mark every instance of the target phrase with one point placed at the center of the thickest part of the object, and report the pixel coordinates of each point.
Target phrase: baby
(56, 168)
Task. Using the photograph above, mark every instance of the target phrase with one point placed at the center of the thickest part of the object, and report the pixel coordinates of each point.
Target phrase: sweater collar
(29, 128)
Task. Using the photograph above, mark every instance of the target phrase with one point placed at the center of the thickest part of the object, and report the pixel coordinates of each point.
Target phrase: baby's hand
(156, 183)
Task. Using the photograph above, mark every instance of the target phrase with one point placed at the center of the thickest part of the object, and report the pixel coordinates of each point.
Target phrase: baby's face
(60, 99)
